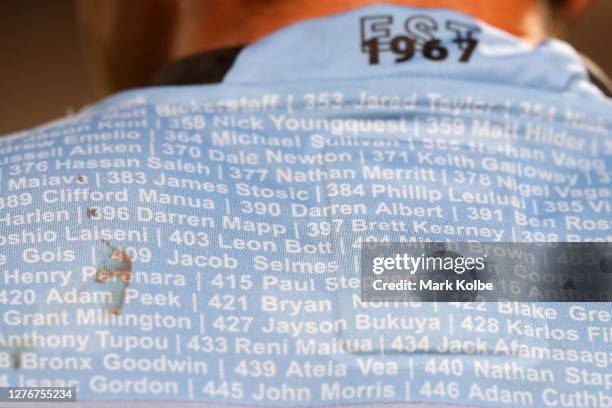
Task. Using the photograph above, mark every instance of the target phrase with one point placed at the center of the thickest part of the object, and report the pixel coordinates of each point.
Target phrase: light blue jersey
(202, 243)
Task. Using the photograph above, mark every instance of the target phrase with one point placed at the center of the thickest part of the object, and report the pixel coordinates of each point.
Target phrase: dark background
(43, 75)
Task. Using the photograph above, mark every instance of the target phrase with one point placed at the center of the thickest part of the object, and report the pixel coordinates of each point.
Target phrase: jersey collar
(341, 46)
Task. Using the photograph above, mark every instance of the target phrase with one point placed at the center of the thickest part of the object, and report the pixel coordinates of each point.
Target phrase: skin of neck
(209, 25)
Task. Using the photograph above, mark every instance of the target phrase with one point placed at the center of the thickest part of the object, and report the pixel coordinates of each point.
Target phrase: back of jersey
(204, 243)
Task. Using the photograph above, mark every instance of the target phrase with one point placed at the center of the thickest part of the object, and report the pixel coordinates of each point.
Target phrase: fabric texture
(201, 244)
